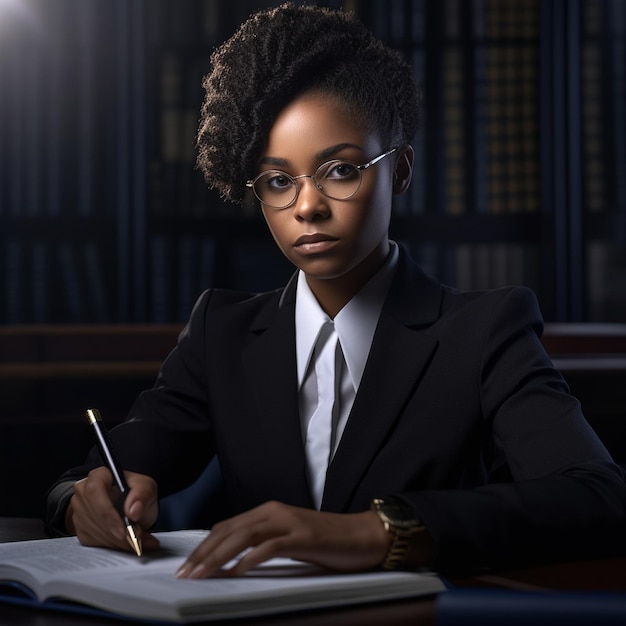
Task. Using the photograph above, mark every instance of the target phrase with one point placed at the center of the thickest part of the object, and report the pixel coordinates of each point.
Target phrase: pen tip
(134, 542)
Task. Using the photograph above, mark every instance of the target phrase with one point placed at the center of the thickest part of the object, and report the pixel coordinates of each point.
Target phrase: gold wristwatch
(402, 524)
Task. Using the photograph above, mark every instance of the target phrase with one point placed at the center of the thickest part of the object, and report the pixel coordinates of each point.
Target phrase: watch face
(402, 524)
(400, 515)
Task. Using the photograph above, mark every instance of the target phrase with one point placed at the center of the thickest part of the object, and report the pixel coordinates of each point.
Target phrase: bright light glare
(11, 6)
(17, 12)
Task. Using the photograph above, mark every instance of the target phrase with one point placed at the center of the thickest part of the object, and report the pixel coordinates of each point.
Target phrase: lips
(315, 242)
(313, 238)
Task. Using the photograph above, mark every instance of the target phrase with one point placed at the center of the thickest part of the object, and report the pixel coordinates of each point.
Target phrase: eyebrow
(320, 156)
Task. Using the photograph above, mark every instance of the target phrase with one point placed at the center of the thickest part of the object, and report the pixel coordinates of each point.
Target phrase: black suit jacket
(459, 412)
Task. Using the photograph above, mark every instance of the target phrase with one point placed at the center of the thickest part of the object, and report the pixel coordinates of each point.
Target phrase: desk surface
(605, 575)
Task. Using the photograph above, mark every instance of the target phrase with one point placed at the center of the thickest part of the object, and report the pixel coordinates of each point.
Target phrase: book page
(48, 559)
(146, 587)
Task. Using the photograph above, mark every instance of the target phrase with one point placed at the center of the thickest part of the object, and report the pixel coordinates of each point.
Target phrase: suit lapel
(270, 369)
(399, 354)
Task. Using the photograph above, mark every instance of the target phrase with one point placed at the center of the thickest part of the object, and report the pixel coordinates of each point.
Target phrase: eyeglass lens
(338, 180)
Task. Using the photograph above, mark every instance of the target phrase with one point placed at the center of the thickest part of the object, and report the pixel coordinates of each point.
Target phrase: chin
(325, 273)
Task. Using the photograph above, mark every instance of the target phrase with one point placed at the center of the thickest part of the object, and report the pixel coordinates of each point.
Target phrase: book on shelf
(259, 266)
(454, 136)
(67, 281)
(62, 574)
(180, 268)
(507, 73)
(12, 287)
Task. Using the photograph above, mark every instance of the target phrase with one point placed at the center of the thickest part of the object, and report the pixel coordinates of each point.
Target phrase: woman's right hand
(93, 517)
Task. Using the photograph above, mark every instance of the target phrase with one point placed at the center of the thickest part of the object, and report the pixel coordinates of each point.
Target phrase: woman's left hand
(343, 542)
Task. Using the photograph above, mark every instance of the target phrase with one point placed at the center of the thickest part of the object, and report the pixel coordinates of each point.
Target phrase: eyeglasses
(337, 179)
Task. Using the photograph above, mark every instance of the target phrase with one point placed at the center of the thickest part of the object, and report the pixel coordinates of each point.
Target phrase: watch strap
(402, 524)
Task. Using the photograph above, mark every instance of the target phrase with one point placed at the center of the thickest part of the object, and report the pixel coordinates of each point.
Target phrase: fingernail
(187, 571)
(199, 571)
(135, 510)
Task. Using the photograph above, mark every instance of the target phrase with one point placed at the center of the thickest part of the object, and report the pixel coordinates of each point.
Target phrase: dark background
(520, 173)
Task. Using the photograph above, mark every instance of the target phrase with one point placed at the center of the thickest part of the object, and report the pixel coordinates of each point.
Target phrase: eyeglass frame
(359, 168)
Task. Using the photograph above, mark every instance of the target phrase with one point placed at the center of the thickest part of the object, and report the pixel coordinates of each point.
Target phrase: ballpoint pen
(109, 457)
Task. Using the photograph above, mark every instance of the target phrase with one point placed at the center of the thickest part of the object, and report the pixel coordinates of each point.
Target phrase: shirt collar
(355, 323)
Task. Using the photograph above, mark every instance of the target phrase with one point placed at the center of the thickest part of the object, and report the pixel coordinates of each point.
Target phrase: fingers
(94, 514)
(142, 507)
(344, 542)
(141, 504)
(264, 552)
(94, 517)
(225, 542)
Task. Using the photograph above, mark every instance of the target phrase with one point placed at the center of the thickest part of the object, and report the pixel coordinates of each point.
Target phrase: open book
(61, 572)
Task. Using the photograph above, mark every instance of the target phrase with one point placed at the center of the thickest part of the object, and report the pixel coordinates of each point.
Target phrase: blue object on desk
(500, 607)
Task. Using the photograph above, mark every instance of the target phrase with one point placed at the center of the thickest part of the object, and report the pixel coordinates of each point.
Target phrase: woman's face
(329, 239)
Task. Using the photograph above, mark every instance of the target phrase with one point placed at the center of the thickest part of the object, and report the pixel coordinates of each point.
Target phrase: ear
(404, 170)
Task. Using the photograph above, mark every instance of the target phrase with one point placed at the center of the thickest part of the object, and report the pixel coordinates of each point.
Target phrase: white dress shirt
(354, 326)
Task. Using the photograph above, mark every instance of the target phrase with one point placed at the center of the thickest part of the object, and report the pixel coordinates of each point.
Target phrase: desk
(21, 529)
(608, 574)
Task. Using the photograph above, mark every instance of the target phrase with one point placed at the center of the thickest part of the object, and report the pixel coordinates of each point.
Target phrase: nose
(311, 203)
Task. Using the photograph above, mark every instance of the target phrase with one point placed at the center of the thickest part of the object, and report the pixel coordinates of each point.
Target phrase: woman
(365, 415)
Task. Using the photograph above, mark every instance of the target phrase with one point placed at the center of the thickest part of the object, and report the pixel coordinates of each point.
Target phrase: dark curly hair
(280, 53)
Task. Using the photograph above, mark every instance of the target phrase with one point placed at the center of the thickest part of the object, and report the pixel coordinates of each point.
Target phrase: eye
(340, 170)
(276, 181)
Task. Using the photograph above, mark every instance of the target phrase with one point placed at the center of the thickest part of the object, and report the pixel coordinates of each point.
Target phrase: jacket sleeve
(553, 492)
(167, 433)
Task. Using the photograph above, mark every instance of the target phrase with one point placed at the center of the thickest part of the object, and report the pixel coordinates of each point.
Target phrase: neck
(334, 293)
